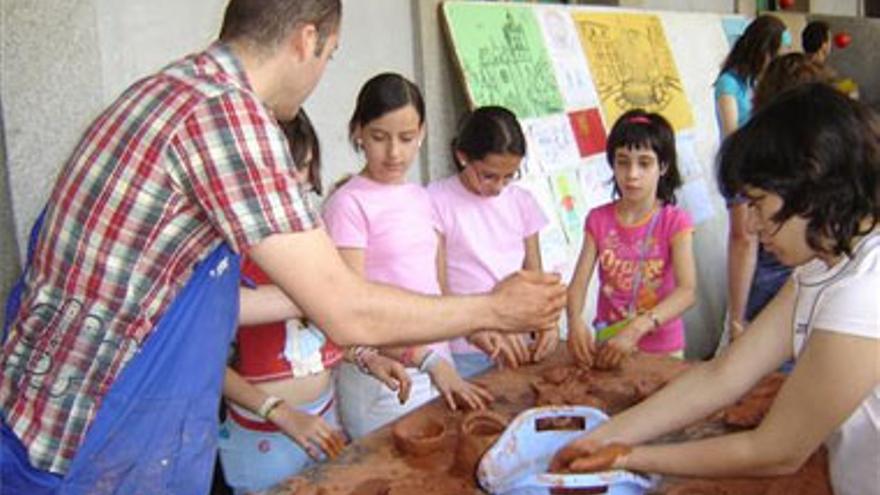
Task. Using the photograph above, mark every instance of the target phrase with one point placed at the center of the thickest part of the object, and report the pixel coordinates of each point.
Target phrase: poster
(632, 66)
(567, 56)
(551, 144)
(502, 55)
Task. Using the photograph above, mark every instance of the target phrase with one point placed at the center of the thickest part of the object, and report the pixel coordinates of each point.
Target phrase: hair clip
(639, 119)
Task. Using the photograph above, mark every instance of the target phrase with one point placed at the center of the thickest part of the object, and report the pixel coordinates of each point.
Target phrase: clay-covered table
(373, 465)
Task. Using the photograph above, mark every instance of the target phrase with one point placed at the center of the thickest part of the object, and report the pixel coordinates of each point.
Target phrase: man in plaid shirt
(110, 375)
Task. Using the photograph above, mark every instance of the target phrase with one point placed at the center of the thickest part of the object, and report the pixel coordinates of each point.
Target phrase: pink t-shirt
(394, 224)
(485, 236)
(618, 250)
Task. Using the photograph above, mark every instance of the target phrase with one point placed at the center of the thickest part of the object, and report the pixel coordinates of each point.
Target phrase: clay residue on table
(610, 391)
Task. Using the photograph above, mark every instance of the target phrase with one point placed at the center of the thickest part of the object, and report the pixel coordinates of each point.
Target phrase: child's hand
(390, 372)
(545, 344)
(612, 353)
(519, 347)
(312, 433)
(495, 346)
(454, 388)
(580, 342)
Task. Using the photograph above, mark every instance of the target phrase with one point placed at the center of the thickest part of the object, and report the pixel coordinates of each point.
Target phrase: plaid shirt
(183, 160)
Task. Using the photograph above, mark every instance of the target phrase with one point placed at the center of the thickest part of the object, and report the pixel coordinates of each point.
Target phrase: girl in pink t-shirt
(488, 230)
(643, 245)
(384, 228)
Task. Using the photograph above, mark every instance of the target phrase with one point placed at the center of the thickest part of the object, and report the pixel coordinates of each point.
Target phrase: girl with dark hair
(753, 276)
(809, 164)
(384, 228)
(643, 245)
(488, 230)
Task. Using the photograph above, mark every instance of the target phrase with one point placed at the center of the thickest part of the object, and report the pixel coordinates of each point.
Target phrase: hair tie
(639, 119)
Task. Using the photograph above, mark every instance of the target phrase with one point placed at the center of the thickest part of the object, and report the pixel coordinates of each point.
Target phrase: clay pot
(419, 434)
(479, 430)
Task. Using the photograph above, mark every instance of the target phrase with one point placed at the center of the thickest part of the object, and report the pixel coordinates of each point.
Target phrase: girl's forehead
(636, 149)
(502, 161)
(405, 118)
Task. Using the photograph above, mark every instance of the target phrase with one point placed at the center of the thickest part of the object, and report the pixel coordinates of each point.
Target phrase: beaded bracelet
(360, 355)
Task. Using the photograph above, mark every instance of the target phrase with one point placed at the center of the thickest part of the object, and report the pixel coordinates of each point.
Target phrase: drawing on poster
(551, 143)
(597, 182)
(503, 58)
(556, 254)
(568, 58)
(570, 205)
(632, 66)
(588, 131)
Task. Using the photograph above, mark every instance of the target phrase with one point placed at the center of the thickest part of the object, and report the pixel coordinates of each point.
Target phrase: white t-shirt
(846, 298)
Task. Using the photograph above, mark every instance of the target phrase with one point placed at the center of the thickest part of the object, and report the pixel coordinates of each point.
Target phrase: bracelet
(268, 406)
(360, 358)
(430, 360)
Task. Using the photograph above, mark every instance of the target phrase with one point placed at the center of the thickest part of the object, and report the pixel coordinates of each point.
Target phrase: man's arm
(308, 268)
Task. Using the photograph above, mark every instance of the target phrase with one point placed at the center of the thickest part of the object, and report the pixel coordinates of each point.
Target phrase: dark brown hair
(785, 72)
(266, 22)
(819, 151)
(640, 129)
(303, 142)
(758, 44)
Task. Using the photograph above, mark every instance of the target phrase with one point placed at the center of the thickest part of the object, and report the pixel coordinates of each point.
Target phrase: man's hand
(527, 300)
(312, 433)
(390, 372)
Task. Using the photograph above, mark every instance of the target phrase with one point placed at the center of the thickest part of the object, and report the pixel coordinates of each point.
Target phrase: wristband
(430, 360)
(268, 405)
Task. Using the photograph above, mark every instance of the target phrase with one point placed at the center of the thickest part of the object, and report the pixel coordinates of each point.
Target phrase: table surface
(373, 465)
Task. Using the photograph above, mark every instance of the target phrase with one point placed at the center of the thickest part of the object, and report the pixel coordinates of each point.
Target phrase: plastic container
(517, 463)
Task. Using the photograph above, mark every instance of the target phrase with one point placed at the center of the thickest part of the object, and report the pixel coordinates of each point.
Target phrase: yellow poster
(633, 67)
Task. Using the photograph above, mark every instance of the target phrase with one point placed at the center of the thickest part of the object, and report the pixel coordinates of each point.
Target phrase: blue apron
(156, 429)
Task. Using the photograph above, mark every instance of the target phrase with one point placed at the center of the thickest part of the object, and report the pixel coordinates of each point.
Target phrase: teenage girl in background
(809, 164)
(488, 230)
(643, 246)
(281, 414)
(753, 275)
(384, 228)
